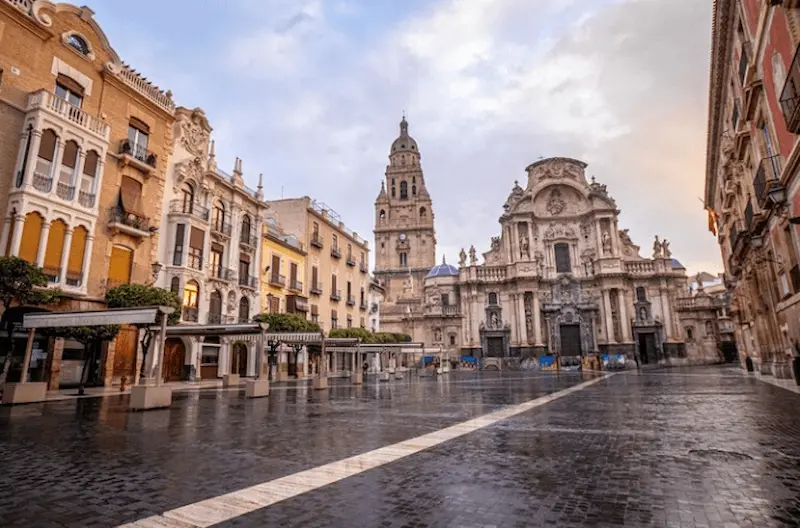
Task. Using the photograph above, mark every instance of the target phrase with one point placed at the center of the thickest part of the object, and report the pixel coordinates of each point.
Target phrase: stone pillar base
(320, 382)
(257, 388)
(145, 397)
(230, 380)
(356, 378)
(398, 375)
(15, 393)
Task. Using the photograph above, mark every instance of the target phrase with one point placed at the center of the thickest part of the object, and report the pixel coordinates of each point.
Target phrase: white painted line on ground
(788, 384)
(235, 504)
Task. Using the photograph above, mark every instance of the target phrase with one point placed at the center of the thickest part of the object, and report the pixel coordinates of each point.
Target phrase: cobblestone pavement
(695, 447)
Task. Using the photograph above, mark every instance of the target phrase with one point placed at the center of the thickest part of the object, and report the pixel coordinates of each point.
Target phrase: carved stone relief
(556, 203)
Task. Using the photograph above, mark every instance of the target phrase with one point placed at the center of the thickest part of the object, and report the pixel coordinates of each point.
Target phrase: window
(90, 165)
(445, 298)
(493, 299)
(382, 215)
(119, 269)
(219, 216)
(130, 197)
(244, 310)
(246, 229)
(349, 252)
(191, 294)
(334, 319)
(403, 259)
(175, 285)
(413, 190)
(47, 153)
(315, 229)
(215, 260)
(349, 321)
(334, 290)
(315, 278)
(187, 192)
(641, 294)
(78, 43)
(334, 242)
(563, 264)
(403, 190)
(452, 340)
(735, 116)
(177, 254)
(69, 90)
(361, 298)
(689, 334)
(215, 307)
(244, 269)
(794, 269)
(138, 136)
(423, 213)
(393, 193)
(709, 329)
(349, 290)
(196, 239)
(362, 323)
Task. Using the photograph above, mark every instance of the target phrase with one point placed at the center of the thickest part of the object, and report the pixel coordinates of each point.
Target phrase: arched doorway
(239, 359)
(174, 356)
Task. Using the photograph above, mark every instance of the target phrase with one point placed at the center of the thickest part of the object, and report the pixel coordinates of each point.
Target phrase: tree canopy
(19, 280)
(283, 322)
(140, 295)
(84, 335)
(368, 337)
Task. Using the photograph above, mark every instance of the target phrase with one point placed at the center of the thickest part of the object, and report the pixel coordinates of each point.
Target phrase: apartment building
(284, 259)
(83, 144)
(751, 190)
(211, 250)
(337, 263)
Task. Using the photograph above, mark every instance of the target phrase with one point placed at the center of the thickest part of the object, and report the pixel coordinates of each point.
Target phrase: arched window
(219, 215)
(403, 190)
(423, 213)
(187, 192)
(31, 234)
(75, 261)
(88, 179)
(244, 310)
(69, 160)
(493, 299)
(54, 250)
(689, 334)
(413, 190)
(215, 307)
(413, 179)
(246, 229)
(382, 215)
(175, 285)
(403, 259)
(452, 340)
(44, 160)
(78, 43)
(191, 294)
(393, 191)
(709, 329)
(641, 294)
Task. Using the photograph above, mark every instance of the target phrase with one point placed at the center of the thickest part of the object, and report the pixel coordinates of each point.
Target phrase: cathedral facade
(561, 280)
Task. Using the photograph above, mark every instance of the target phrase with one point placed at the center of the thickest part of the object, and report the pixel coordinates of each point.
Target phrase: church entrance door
(494, 347)
(647, 348)
(570, 340)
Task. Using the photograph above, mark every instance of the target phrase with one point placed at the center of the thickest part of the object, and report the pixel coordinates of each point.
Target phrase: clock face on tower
(402, 236)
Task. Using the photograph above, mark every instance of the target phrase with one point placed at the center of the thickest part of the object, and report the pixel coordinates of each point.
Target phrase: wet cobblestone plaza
(695, 447)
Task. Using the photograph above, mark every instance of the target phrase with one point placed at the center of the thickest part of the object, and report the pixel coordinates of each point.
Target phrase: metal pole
(259, 355)
(26, 363)
(162, 339)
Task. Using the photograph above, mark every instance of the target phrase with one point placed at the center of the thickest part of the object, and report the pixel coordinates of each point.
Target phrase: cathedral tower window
(493, 299)
(382, 215)
(423, 213)
(413, 190)
(393, 192)
(563, 264)
(403, 259)
(403, 190)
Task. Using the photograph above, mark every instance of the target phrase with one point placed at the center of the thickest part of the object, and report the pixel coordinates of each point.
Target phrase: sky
(310, 93)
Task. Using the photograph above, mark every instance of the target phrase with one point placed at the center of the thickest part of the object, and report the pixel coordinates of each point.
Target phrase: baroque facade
(751, 190)
(561, 279)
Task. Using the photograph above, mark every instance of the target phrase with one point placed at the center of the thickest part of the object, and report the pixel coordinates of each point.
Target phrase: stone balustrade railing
(152, 92)
(490, 273)
(640, 267)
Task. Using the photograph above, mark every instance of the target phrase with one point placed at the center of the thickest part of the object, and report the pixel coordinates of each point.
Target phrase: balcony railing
(221, 228)
(768, 175)
(335, 253)
(42, 183)
(277, 279)
(73, 114)
(118, 216)
(640, 267)
(190, 314)
(363, 267)
(195, 261)
(248, 241)
(363, 305)
(336, 295)
(216, 318)
(790, 96)
(351, 301)
(178, 206)
(64, 191)
(316, 288)
(86, 199)
(221, 273)
(295, 285)
(137, 152)
(317, 241)
(350, 261)
(443, 309)
(248, 282)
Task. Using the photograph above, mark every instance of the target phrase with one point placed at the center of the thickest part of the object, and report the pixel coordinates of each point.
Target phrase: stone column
(43, 243)
(537, 320)
(623, 316)
(609, 320)
(98, 178)
(599, 230)
(4, 239)
(87, 255)
(33, 153)
(523, 329)
(65, 256)
(16, 238)
(54, 168)
(509, 243)
(76, 175)
(252, 351)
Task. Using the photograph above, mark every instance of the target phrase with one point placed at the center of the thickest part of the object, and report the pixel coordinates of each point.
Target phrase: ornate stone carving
(606, 243)
(190, 169)
(194, 135)
(625, 237)
(524, 247)
(586, 229)
(657, 248)
(495, 243)
(473, 259)
(556, 203)
(462, 258)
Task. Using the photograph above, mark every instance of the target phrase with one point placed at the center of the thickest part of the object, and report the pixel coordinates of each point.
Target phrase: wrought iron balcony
(190, 314)
(196, 210)
(350, 261)
(768, 176)
(221, 273)
(129, 223)
(317, 241)
(336, 295)
(221, 228)
(64, 191)
(296, 285)
(335, 253)
(363, 305)
(363, 267)
(276, 279)
(217, 318)
(248, 282)
(316, 288)
(248, 241)
(351, 301)
(137, 155)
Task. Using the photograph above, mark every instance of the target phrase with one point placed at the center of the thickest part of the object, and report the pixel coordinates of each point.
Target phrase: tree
(87, 336)
(140, 296)
(353, 333)
(19, 280)
(283, 322)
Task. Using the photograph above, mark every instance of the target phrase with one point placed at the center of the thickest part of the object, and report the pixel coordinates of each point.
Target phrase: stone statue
(462, 258)
(643, 314)
(657, 248)
(625, 237)
(473, 259)
(665, 249)
(524, 247)
(494, 321)
(606, 242)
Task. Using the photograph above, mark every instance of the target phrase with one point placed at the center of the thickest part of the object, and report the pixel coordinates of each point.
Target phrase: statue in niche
(606, 242)
(437, 336)
(495, 321)
(462, 258)
(473, 259)
(540, 263)
(657, 249)
(524, 247)
(643, 314)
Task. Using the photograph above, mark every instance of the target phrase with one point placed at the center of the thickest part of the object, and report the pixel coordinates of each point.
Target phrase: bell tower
(405, 239)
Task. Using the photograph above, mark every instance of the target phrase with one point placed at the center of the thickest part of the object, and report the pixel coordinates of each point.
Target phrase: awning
(148, 315)
(130, 193)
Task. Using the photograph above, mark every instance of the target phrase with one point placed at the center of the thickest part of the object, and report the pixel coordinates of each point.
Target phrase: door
(125, 352)
(494, 347)
(174, 355)
(239, 359)
(570, 340)
(647, 348)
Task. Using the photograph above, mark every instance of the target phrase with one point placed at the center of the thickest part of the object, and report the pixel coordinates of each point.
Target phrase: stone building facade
(84, 141)
(751, 190)
(561, 279)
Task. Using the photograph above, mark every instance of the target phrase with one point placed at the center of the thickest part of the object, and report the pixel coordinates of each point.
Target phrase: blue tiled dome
(442, 270)
(676, 264)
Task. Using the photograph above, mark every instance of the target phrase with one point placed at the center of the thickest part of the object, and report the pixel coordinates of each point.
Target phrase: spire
(404, 126)
(260, 188)
(212, 161)
(443, 260)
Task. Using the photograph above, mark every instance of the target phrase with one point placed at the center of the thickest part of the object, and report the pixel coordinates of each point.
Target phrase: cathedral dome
(442, 270)
(404, 142)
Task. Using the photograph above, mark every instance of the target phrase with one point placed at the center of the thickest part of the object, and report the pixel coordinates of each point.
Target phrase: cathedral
(561, 282)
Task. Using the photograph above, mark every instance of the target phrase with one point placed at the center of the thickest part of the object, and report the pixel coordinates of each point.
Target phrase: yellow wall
(287, 255)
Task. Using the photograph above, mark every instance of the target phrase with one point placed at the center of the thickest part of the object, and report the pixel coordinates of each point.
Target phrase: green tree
(354, 333)
(21, 283)
(285, 323)
(140, 296)
(88, 336)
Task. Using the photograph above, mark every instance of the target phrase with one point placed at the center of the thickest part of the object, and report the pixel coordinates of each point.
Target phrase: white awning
(148, 315)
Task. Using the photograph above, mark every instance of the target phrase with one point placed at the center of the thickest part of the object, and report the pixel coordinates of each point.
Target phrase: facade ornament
(606, 243)
(556, 203)
(665, 249)
(462, 258)
(586, 229)
(193, 134)
(473, 259)
(550, 233)
(657, 249)
(495, 243)
(569, 232)
(625, 237)
(524, 248)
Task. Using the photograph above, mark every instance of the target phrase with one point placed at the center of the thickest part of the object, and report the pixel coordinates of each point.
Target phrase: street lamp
(777, 195)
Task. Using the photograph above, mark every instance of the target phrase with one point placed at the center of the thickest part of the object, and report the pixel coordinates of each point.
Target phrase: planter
(320, 383)
(16, 393)
(257, 388)
(230, 380)
(144, 397)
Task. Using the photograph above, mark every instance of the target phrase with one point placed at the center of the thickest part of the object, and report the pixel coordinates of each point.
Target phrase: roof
(676, 264)
(442, 270)
(404, 143)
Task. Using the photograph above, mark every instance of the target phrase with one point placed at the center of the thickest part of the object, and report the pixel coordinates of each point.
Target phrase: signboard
(547, 362)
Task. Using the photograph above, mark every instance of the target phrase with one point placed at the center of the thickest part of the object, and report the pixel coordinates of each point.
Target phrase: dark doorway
(570, 340)
(494, 347)
(239, 359)
(174, 356)
(647, 348)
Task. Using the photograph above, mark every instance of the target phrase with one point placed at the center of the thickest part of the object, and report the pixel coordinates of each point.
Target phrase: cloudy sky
(310, 92)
